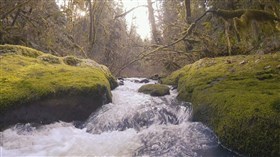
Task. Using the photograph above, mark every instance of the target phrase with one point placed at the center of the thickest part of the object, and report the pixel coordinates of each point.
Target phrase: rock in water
(154, 89)
(144, 81)
(121, 82)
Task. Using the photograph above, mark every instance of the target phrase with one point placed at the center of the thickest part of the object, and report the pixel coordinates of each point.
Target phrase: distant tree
(155, 32)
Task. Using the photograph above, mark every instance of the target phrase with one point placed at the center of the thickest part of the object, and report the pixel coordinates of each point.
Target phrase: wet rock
(136, 81)
(121, 83)
(66, 108)
(120, 78)
(144, 81)
(174, 87)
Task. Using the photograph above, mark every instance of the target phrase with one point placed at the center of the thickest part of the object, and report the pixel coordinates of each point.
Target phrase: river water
(134, 124)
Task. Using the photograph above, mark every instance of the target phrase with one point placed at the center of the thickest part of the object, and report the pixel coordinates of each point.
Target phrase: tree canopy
(182, 31)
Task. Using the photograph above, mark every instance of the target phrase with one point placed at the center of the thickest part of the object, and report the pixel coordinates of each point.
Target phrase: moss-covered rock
(154, 89)
(49, 58)
(71, 60)
(38, 87)
(238, 97)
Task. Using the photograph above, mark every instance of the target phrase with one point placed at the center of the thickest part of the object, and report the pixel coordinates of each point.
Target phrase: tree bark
(90, 22)
(188, 10)
(155, 33)
(227, 37)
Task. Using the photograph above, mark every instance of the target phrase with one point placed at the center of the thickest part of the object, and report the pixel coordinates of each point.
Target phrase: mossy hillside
(238, 97)
(154, 89)
(32, 75)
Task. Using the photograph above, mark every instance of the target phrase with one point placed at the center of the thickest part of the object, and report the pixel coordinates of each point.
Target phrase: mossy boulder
(154, 89)
(42, 88)
(238, 97)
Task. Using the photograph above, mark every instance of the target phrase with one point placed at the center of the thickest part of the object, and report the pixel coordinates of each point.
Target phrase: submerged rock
(154, 89)
(237, 105)
(42, 88)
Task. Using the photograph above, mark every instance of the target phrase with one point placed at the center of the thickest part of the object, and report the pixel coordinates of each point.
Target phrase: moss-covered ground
(27, 75)
(238, 97)
(154, 89)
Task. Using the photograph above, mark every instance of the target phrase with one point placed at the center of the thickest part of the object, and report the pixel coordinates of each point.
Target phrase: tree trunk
(188, 10)
(227, 37)
(90, 22)
(155, 32)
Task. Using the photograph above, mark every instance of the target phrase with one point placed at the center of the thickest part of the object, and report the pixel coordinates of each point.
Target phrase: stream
(134, 124)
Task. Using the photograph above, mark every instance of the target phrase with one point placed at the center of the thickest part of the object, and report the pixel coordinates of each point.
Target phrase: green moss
(240, 102)
(228, 14)
(20, 50)
(24, 78)
(154, 89)
(276, 105)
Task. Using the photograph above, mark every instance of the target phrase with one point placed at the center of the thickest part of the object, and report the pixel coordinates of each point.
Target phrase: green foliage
(25, 78)
(154, 89)
(238, 97)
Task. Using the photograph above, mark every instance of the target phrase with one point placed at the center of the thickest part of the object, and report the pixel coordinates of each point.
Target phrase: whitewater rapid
(134, 124)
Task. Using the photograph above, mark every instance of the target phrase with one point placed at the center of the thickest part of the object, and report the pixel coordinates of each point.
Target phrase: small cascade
(134, 124)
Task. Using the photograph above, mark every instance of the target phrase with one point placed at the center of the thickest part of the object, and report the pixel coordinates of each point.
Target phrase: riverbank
(238, 97)
(43, 88)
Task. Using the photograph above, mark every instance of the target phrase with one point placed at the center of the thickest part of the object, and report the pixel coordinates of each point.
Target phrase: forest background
(182, 31)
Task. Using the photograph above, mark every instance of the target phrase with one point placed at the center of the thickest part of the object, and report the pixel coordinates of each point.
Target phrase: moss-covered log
(238, 97)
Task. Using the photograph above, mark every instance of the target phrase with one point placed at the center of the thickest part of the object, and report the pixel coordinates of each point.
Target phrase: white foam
(167, 133)
(59, 140)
